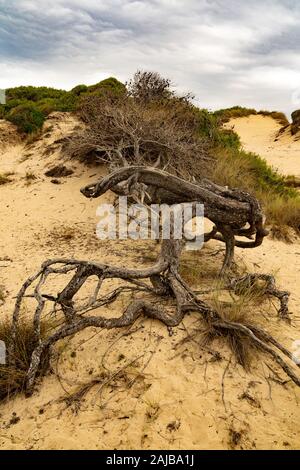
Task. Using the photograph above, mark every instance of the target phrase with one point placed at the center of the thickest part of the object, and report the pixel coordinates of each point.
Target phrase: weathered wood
(230, 210)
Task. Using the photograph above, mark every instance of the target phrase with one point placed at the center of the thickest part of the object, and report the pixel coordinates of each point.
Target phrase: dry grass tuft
(63, 234)
(238, 308)
(282, 213)
(278, 116)
(12, 377)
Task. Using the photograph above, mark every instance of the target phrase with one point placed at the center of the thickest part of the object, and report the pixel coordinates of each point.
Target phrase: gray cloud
(227, 53)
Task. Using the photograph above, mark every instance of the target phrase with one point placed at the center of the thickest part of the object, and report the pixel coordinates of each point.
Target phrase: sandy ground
(260, 134)
(162, 393)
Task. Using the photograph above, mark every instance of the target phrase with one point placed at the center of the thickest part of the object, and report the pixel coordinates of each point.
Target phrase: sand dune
(260, 134)
(176, 399)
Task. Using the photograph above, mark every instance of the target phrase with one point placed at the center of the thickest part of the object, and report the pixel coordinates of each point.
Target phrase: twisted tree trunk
(234, 213)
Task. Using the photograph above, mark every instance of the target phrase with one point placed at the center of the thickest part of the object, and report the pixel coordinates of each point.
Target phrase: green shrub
(32, 93)
(13, 103)
(77, 90)
(27, 117)
(67, 103)
(209, 127)
(110, 84)
(47, 105)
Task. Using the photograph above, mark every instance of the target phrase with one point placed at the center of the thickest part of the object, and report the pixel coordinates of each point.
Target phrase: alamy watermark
(156, 222)
(296, 351)
(2, 352)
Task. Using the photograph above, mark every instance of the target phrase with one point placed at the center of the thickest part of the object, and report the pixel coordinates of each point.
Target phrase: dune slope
(260, 134)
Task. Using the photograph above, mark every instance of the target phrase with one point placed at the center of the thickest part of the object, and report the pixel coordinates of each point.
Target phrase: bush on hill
(35, 102)
(27, 117)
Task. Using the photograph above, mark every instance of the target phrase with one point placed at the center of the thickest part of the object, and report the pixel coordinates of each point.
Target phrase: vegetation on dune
(27, 107)
(279, 117)
(27, 117)
(224, 115)
(148, 123)
(235, 167)
(295, 127)
(168, 128)
(152, 127)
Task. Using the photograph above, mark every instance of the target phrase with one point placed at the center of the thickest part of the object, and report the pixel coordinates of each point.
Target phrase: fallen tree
(235, 215)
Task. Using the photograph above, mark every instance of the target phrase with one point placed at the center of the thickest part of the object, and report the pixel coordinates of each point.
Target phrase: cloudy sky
(226, 52)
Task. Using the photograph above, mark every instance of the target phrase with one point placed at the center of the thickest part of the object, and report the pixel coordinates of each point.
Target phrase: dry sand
(176, 400)
(260, 134)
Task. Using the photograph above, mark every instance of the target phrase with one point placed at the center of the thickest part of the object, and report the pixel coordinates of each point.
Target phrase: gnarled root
(161, 280)
(234, 214)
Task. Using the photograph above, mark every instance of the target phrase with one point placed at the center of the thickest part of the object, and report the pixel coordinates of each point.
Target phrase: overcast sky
(226, 52)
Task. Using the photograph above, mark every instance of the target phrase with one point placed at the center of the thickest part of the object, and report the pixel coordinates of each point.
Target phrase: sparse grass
(281, 211)
(153, 410)
(279, 117)
(12, 377)
(239, 309)
(29, 178)
(63, 233)
(224, 115)
(292, 181)
(33, 137)
(250, 172)
(192, 274)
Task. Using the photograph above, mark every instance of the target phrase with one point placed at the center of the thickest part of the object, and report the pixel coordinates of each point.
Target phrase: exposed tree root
(164, 282)
(230, 210)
